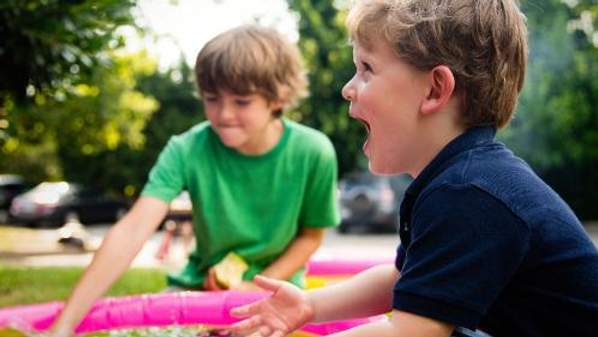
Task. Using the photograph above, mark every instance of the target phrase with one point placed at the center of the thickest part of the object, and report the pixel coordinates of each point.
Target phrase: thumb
(246, 310)
(267, 283)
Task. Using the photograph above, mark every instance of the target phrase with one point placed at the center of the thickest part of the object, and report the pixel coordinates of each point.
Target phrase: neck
(266, 141)
(437, 130)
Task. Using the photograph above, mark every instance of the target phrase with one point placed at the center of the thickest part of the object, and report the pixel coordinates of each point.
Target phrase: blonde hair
(253, 59)
(483, 42)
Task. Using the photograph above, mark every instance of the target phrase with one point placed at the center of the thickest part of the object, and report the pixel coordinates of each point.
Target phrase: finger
(278, 333)
(264, 330)
(248, 324)
(206, 282)
(211, 278)
(266, 283)
(246, 310)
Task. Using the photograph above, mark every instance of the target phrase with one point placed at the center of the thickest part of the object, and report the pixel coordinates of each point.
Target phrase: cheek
(209, 110)
(247, 119)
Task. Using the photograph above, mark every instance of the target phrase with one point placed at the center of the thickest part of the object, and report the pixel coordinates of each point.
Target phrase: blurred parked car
(370, 203)
(10, 186)
(180, 208)
(50, 204)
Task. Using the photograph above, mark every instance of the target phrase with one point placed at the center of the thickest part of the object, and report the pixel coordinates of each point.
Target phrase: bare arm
(401, 324)
(119, 247)
(289, 308)
(296, 254)
(368, 293)
(294, 257)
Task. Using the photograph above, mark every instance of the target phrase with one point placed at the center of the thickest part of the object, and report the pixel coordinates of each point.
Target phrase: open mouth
(365, 124)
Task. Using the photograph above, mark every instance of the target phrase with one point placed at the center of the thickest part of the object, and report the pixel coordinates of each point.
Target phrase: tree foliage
(179, 110)
(556, 125)
(70, 137)
(73, 107)
(324, 44)
(48, 44)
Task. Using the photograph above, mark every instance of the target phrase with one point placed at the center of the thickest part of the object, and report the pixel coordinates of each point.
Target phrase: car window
(87, 194)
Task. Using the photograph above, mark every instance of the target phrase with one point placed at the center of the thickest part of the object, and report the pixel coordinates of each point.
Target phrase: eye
(366, 66)
(242, 102)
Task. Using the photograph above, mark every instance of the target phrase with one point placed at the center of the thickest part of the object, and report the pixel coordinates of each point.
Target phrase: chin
(232, 143)
(381, 171)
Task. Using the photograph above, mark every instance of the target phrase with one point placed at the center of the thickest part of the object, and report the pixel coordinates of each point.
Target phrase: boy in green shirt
(262, 187)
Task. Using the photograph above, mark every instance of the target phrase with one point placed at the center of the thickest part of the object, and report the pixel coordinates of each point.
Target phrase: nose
(348, 91)
(225, 112)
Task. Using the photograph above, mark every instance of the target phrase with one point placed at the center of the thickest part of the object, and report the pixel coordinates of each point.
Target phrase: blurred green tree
(48, 44)
(66, 98)
(179, 110)
(556, 125)
(72, 137)
(324, 44)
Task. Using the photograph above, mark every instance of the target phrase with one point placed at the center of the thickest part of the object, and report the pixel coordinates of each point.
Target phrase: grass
(28, 285)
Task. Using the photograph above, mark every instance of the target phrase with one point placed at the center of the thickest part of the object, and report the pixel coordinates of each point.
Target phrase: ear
(442, 87)
(276, 105)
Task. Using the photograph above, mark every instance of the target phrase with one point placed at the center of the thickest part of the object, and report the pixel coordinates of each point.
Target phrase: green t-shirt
(251, 205)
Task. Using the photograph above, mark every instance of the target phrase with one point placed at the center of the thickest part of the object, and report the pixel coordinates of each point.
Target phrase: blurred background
(90, 91)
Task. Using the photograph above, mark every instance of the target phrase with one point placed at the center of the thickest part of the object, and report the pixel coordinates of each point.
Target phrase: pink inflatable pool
(330, 267)
(182, 308)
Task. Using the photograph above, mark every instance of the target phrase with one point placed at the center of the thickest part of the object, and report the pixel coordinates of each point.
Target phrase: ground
(371, 246)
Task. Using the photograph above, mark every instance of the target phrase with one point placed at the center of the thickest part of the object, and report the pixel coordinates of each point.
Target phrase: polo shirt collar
(469, 139)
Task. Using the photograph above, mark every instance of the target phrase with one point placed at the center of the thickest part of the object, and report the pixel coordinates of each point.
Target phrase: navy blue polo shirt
(486, 244)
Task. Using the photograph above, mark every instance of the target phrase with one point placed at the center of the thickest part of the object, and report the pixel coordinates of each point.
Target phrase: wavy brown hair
(252, 59)
(483, 42)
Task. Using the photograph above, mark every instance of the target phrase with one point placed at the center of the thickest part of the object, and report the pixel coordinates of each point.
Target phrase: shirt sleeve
(320, 207)
(400, 258)
(165, 179)
(465, 247)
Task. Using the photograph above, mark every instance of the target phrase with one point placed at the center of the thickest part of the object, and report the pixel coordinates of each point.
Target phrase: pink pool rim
(182, 308)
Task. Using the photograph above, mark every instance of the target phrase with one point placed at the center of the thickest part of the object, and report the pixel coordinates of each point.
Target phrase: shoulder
(309, 140)
(495, 172)
(464, 203)
(192, 137)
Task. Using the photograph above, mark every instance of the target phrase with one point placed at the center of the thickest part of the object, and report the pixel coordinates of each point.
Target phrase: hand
(55, 331)
(246, 286)
(210, 282)
(52, 334)
(286, 310)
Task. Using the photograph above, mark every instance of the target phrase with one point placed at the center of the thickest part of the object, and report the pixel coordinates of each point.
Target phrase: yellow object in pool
(229, 271)
(312, 282)
(8, 332)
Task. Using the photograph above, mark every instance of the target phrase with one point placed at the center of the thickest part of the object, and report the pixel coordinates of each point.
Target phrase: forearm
(119, 247)
(113, 257)
(378, 329)
(296, 255)
(368, 293)
(386, 328)
(401, 324)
